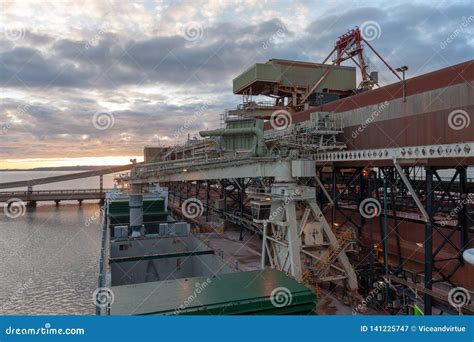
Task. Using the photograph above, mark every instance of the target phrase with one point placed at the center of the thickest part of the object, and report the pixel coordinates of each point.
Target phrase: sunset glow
(93, 82)
(59, 162)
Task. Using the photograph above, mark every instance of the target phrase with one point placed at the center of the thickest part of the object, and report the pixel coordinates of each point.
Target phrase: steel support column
(429, 241)
(334, 193)
(241, 190)
(361, 198)
(385, 227)
(208, 188)
(462, 218)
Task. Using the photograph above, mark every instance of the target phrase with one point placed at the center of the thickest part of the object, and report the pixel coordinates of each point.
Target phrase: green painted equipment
(277, 76)
(261, 292)
(171, 255)
(241, 135)
(417, 311)
(153, 210)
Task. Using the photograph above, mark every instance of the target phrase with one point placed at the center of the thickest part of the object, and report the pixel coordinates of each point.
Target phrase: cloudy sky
(93, 82)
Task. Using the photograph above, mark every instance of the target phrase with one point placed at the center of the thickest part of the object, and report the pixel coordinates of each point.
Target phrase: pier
(31, 197)
(71, 176)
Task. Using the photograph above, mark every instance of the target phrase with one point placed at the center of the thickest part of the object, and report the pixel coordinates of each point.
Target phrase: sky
(93, 82)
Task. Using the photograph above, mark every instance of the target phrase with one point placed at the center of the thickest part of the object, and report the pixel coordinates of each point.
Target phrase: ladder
(323, 266)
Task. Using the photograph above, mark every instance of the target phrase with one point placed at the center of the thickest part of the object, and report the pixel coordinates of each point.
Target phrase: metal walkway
(62, 178)
(54, 195)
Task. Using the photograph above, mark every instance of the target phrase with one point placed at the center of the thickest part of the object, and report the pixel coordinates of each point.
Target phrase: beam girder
(225, 170)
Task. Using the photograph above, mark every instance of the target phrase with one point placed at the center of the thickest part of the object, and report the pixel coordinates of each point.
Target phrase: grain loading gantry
(375, 150)
(295, 231)
(293, 211)
(296, 85)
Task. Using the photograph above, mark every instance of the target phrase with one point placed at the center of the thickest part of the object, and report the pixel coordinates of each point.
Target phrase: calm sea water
(49, 257)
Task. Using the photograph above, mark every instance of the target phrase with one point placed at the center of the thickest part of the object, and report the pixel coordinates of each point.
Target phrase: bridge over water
(30, 183)
(54, 195)
(31, 197)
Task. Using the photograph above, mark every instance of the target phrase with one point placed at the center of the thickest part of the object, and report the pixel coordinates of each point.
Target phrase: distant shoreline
(62, 168)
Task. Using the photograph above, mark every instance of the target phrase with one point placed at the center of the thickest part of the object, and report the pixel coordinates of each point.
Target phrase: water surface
(49, 256)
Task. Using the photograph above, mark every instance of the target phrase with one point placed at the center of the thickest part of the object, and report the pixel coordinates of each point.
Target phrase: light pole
(402, 69)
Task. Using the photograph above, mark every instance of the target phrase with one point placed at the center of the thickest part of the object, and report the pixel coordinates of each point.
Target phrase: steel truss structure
(307, 137)
(296, 232)
(406, 182)
(296, 225)
(225, 198)
(414, 154)
(441, 207)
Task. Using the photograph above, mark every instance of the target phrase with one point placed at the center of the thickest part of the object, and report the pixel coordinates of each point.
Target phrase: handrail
(66, 177)
(45, 192)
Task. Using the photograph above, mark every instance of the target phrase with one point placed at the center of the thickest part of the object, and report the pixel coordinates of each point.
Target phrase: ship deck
(233, 293)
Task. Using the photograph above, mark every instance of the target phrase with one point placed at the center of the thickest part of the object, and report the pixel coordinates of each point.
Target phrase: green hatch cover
(240, 293)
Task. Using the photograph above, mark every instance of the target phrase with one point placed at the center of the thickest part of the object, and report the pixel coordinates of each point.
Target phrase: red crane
(348, 46)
